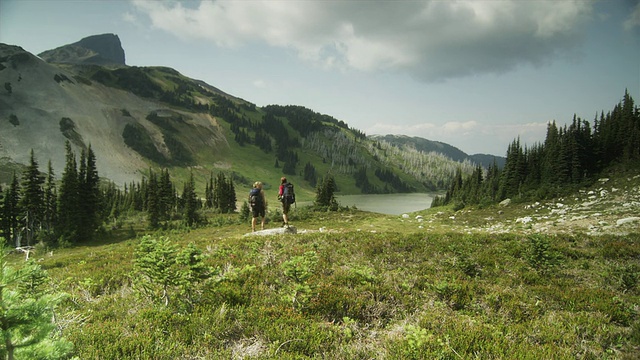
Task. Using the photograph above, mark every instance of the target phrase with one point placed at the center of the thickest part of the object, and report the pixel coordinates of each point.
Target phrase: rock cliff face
(104, 49)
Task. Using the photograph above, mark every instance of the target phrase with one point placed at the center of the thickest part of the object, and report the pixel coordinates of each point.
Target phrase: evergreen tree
(167, 196)
(208, 193)
(513, 174)
(190, 201)
(68, 199)
(231, 197)
(630, 129)
(491, 183)
(10, 212)
(27, 314)
(325, 193)
(153, 201)
(309, 174)
(50, 199)
(115, 203)
(89, 195)
(224, 194)
(31, 203)
(218, 191)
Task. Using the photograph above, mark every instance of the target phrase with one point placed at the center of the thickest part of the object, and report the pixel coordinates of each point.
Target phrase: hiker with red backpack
(258, 204)
(287, 197)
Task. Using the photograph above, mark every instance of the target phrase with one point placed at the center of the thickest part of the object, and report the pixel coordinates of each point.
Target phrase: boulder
(627, 220)
(505, 202)
(274, 231)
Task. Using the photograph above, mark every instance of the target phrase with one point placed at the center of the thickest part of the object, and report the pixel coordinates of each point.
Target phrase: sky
(473, 74)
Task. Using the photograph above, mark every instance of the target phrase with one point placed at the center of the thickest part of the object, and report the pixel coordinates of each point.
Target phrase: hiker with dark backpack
(287, 197)
(258, 204)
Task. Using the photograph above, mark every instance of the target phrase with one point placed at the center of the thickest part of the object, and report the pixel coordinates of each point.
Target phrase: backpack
(255, 199)
(287, 193)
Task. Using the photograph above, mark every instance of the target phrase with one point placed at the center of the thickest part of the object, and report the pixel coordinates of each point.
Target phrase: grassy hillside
(477, 283)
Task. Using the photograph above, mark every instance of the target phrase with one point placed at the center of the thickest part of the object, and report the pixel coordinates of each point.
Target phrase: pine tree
(116, 204)
(10, 213)
(231, 197)
(153, 201)
(208, 193)
(167, 196)
(309, 174)
(325, 193)
(191, 202)
(513, 174)
(50, 198)
(89, 194)
(224, 194)
(27, 313)
(491, 183)
(68, 199)
(31, 203)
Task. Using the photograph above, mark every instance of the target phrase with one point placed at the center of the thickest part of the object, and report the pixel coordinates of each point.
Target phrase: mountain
(43, 105)
(428, 146)
(137, 118)
(104, 49)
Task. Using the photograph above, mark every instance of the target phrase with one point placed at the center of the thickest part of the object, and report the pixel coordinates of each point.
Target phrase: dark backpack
(288, 195)
(254, 198)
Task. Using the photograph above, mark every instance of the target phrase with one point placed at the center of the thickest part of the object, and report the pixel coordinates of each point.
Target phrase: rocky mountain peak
(104, 49)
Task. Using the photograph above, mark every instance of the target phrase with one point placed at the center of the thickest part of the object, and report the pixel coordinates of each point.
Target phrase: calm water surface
(392, 204)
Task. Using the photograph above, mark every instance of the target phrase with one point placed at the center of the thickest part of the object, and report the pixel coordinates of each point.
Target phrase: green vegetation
(27, 306)
(13, 119)
(68, 129)
(136, 137)
(175, 278)
(344, 294)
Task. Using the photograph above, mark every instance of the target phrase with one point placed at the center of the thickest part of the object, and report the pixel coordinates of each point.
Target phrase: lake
(391, 204)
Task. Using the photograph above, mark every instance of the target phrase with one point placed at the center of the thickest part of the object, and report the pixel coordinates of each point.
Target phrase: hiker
(258, 204)
(287, 197)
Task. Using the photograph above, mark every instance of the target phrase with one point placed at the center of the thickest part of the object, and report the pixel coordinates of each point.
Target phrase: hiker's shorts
(257, 212)
(285, 207)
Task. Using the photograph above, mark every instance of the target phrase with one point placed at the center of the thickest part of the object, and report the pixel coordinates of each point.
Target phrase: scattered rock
(524, 220)
(627, 220)
(274, 231)
(505, 202)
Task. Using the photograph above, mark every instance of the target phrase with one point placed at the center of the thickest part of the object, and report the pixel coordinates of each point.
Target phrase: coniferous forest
(570, 156)
(35, 208)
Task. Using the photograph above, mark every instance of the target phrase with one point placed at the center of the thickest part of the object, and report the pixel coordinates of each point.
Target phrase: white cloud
(260, 84)
(431, 40)
(129, 17)
(633, 21)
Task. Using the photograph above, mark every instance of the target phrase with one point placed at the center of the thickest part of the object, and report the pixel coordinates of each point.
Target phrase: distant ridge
(452, 152)
(104, 49)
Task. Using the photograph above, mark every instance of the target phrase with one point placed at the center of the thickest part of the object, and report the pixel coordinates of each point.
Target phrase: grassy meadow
(353, 285)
